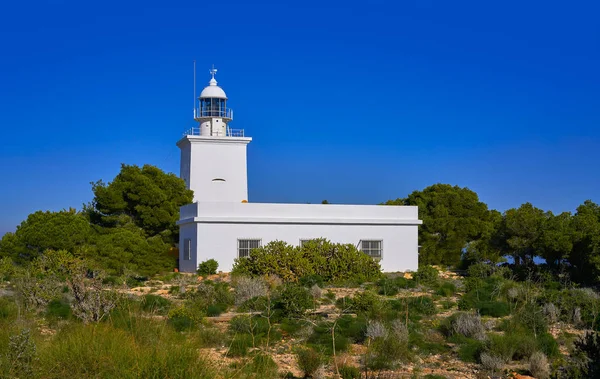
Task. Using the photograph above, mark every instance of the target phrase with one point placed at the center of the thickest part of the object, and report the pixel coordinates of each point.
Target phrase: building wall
(215, 167)
(217, 228)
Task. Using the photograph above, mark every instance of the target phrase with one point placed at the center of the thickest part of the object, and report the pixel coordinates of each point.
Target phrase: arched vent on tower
(218, 180)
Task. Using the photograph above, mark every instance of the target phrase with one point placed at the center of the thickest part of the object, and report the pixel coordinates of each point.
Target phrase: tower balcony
(228, 132)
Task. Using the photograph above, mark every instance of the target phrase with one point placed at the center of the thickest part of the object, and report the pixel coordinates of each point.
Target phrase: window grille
(245, 246)
(371, 248)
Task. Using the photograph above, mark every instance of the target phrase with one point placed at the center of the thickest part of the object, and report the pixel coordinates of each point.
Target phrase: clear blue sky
(354, 102)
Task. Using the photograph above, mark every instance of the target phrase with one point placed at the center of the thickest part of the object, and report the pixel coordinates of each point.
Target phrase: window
(371, 248)
(187, 249)
(245, 246)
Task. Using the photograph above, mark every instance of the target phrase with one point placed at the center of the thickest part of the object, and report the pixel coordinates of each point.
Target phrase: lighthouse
(213, 156)
(221, 224)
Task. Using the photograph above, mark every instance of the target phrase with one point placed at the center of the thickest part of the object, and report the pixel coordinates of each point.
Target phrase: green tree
(147, 196)
(521, 230)
(453, 217)
(65, 230)
(585, 255)
(127, 247)
(556, 240)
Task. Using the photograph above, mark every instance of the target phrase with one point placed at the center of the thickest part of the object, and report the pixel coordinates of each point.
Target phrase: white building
(221, 224)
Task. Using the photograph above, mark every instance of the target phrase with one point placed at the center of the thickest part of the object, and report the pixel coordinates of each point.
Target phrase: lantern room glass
(212, 107)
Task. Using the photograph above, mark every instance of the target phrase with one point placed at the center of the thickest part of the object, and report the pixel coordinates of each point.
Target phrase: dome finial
(213, 71)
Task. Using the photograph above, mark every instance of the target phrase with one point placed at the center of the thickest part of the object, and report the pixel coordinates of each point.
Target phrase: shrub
(310, 280)
(367, 302)
(587, 350)
(264, 366)
(538, 366)
(183, 318)
(22, 354)
(239, 345)
(493, 308)
(531, 317)
(427, 275)
(8, 308)
(332, 262)
(293, 300)
(91, 301)
(309, 361)
(491, 363)
(349, 372)
(467, 325)
(208, 267)
(551, 312)
(316, 292)
(390, 287)
(155, 304)
(59, 309)
(548, 345)
(470, 350)
(422, 305)
(446, 289)
(215, 310)
(376, 329)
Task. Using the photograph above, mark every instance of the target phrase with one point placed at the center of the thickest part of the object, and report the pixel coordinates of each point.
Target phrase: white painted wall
(205, 158)
(217, 228)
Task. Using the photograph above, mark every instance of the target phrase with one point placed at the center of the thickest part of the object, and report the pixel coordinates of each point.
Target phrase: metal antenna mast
(194, 88)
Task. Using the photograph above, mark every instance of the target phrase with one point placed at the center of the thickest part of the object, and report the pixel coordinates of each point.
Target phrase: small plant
(91, 301)
(376, 329)
(427, 275)
(309, 361)
(22, 354)
(208, 267)
(467, 325)
(316, 292)
(538, 366)
(293, 300)
(247, 288)
(59, 309)
(491, 362)
(155, 304)
(183, 318)
(349, 372)
(446, 289)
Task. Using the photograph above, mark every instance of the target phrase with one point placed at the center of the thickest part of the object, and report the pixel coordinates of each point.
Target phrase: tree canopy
(147, 196)
(64, 230)
(452, 218)
(130, 224)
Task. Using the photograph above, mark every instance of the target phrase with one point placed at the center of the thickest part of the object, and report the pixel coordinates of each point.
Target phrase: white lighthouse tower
(213, 156)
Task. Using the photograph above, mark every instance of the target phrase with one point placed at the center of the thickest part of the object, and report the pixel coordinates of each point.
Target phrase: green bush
(8, 308)
(390, 287)
(309, 361)
(263, 366)
(548, 345)
(239, 345)
(208, 267)
(155, 304)
(349, 372)
(446, 289)
(470, 350)
(332, 262)
(293, 300)
(427, 275)
(310, 280)
(184, 318)
(59, 309)
(321, 339)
